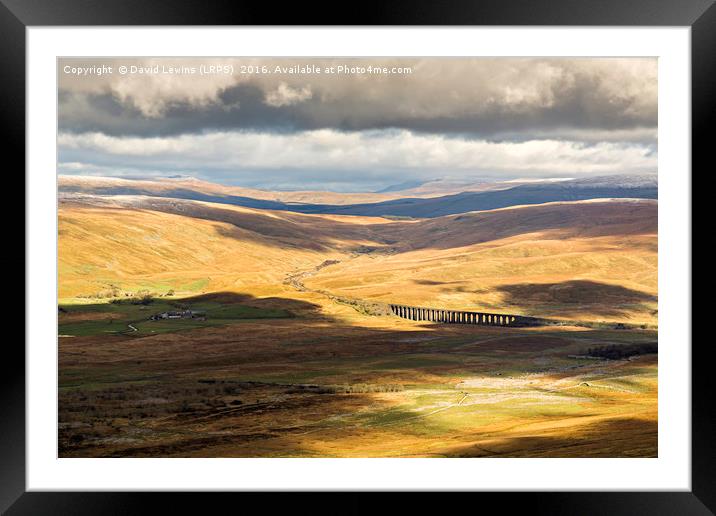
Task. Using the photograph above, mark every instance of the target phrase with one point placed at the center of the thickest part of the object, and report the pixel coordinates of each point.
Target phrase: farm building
(178, 314)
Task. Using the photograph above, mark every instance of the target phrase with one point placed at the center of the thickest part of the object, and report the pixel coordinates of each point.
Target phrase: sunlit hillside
(102, 248)
(288, 361)
(588, 260)
(106, 185)
(348, 257)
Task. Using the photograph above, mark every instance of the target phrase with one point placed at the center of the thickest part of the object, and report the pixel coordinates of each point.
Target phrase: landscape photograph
(357, 257)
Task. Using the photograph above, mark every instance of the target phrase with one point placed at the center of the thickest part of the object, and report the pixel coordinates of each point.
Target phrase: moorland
(287, 353)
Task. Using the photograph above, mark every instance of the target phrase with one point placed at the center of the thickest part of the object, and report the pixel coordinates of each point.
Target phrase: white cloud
(285, 95)
(150, 93)
(329, 150)
(604, 90)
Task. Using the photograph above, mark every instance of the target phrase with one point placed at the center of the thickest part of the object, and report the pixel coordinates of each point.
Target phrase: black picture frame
(17, 15)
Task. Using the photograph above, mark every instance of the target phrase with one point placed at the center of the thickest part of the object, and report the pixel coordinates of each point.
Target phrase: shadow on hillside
(571, 298)
(183, 385)
(293, 306)
(290, 230)
(287, 230)
(616, 438)
(435, 283)
(549, 222)
(155, 303)
(622, 437)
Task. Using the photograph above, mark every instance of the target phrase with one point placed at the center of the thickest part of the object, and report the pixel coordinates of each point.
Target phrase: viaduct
(416, 313)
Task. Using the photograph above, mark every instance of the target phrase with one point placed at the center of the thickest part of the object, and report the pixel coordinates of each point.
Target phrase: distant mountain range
(619, 187)
(401, 186)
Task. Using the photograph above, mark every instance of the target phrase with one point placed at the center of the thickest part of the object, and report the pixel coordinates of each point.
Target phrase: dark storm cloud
(453, 118)
(243, 108)
(240, 107)
(497, 99)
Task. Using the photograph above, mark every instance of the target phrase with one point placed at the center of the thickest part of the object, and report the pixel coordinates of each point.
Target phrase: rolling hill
(398, 204)
(594, 260)
(287, 364)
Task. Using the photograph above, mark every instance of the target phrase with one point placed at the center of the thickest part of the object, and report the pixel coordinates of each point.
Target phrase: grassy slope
(137, 249)
(487, 197)
(103, 318)
(591, 260)
(125, 396)
(159, 186)
(464, 392)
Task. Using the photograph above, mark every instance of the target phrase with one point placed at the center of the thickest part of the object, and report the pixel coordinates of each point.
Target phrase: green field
(87, 319)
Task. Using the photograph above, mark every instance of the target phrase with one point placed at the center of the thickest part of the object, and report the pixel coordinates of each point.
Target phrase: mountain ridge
(609, 187)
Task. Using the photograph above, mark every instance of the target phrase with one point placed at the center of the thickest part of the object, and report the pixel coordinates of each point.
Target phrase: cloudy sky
(303, 123)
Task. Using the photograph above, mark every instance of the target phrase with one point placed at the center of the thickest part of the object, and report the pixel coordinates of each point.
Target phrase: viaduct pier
(417, 313)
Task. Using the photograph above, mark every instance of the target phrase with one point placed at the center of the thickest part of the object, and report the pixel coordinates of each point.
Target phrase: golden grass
(588, 261)
(463, 395)
(136, 249)
(466, 391)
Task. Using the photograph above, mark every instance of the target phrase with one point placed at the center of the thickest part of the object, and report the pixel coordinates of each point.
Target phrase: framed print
(432, 251)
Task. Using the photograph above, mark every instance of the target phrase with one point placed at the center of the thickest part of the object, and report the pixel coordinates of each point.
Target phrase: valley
(292, 355)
